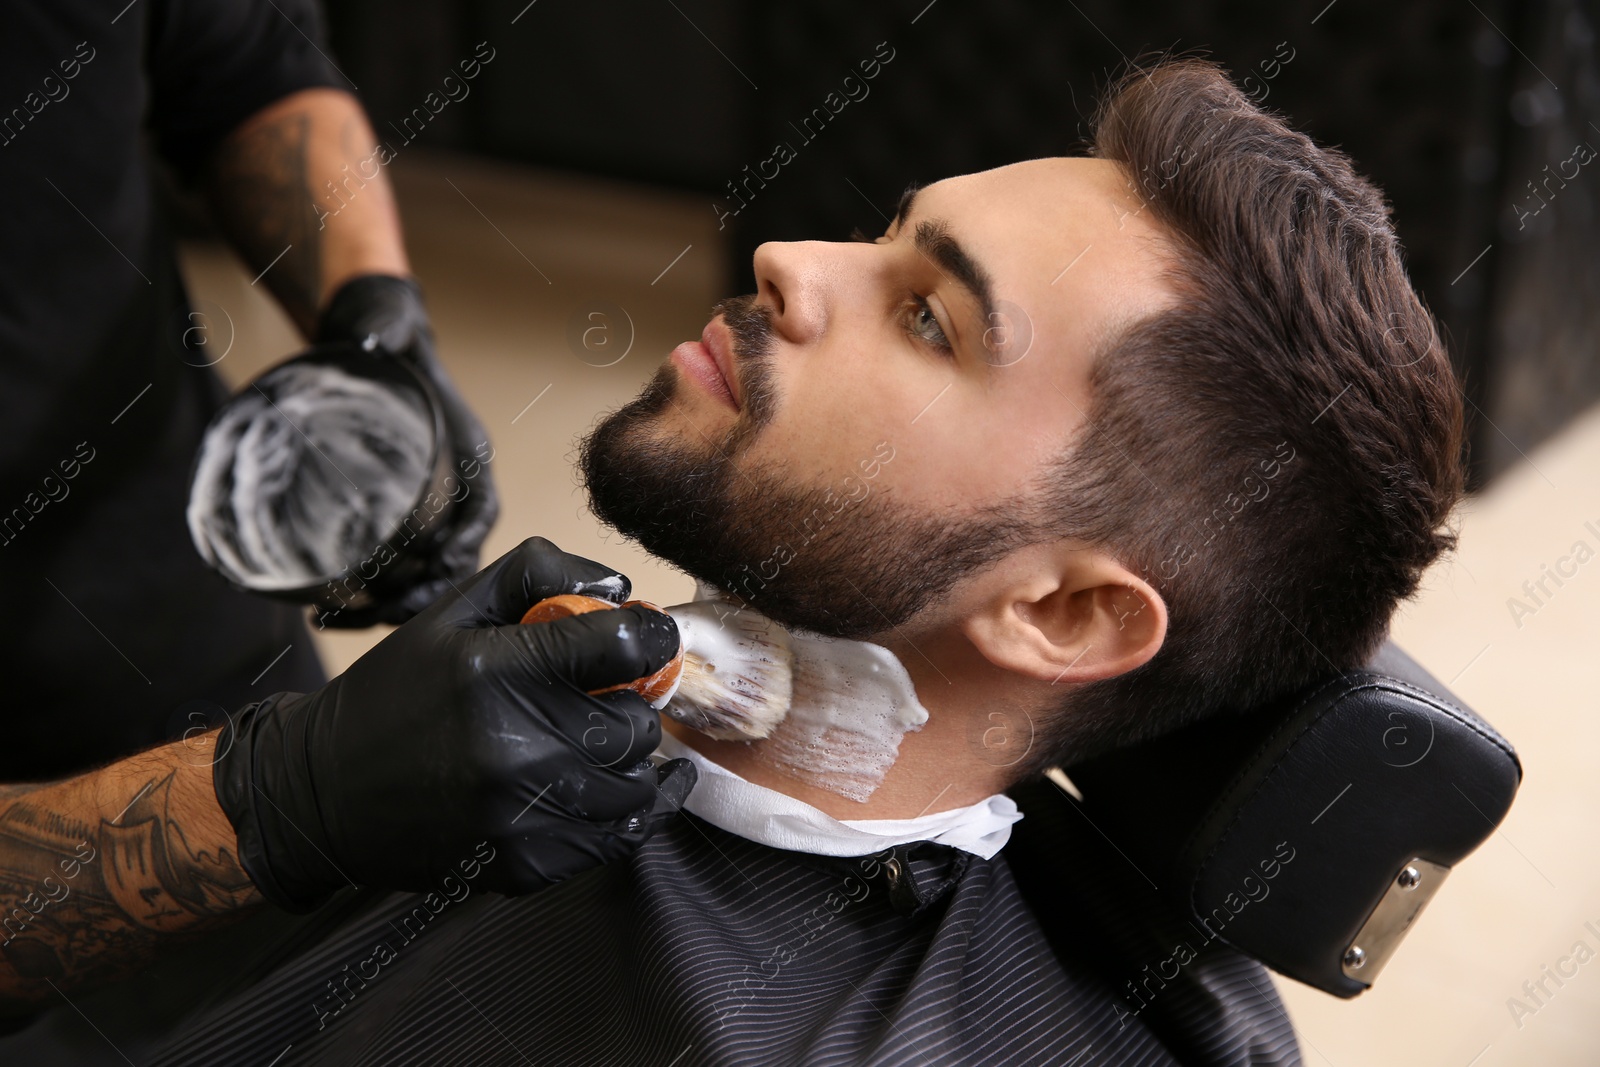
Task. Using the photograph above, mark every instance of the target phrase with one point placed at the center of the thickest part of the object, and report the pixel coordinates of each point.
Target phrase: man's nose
(802, 282)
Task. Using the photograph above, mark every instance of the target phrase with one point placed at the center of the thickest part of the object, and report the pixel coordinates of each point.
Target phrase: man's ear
(1067, 615)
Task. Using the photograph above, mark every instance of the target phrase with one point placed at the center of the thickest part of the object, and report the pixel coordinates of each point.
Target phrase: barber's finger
(601, 648)
(502, 592)
(605, 796)
(614, 814)
(528, 861)
(617, 732)
(675, 779)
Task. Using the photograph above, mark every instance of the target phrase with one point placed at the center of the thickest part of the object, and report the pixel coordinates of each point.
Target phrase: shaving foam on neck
(853, 702)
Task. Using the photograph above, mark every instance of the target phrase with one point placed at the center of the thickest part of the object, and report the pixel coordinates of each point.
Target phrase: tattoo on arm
(260, 188)
(86, 901)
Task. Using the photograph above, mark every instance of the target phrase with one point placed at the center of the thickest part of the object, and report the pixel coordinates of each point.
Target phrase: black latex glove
(381, 311)
(461, 727)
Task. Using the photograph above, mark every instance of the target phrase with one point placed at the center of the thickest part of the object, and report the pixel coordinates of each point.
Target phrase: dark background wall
(1456, 108)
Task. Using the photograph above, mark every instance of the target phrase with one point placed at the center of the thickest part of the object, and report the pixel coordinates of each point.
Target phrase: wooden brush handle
(652, 687)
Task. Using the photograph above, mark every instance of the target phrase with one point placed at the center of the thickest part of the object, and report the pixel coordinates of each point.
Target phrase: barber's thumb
(601, 648)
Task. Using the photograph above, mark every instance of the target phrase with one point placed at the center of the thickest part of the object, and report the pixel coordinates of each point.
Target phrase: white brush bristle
(738, 672)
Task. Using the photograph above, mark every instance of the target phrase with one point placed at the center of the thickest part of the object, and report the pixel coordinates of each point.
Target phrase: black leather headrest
(1308, 834)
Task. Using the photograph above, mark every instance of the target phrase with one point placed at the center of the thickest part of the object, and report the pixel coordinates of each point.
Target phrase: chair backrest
(1310, 833)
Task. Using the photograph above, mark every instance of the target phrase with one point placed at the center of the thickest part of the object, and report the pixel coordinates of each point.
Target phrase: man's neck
(934, 771)
(919, 783)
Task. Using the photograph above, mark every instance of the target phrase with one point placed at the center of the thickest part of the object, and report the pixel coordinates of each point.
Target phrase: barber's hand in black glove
(381, 311)
(458, 728)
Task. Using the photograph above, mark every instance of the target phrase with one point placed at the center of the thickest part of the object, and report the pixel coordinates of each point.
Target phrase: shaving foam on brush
(733, 676)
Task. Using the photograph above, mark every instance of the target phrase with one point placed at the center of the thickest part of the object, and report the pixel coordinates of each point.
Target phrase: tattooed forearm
(97, 873)
(299, 189)
(262, 194)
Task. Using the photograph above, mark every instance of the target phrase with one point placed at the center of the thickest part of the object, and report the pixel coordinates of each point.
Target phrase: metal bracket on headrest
(1380, 935)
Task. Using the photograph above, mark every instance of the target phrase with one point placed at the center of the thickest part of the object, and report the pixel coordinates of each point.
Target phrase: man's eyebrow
(934, 240)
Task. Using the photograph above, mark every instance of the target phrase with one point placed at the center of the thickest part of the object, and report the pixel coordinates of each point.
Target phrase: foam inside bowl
(300, 476)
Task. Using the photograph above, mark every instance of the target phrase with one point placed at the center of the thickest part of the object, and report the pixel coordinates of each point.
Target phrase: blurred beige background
(510, 257)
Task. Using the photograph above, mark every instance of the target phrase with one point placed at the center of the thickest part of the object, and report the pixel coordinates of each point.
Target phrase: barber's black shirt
(111, 623)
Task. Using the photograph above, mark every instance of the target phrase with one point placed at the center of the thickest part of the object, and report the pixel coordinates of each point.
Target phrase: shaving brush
(733, 676)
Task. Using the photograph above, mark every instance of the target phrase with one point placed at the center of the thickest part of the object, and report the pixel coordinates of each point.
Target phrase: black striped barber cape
(707, 948)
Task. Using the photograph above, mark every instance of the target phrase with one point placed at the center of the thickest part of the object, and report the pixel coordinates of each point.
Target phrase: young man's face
(872, 425)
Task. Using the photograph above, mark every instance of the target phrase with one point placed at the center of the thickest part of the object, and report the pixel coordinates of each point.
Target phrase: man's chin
(639, 470)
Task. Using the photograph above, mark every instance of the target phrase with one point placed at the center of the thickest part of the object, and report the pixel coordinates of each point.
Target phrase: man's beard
(839, 560)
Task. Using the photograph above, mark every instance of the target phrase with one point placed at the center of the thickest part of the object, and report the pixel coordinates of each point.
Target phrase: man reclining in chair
(1095, 446)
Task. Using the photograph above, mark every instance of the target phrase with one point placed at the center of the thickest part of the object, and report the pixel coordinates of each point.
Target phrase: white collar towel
(768, 817)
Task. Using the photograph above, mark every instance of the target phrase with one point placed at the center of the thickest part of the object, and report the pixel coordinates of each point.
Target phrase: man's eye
(922, 324)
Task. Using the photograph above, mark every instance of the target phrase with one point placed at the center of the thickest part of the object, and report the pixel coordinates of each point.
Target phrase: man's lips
(709, 361)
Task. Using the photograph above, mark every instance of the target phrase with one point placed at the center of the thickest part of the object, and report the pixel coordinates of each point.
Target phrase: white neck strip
(768, 817)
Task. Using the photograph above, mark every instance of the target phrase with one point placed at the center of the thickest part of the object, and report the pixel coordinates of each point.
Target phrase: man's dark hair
(1279, 453)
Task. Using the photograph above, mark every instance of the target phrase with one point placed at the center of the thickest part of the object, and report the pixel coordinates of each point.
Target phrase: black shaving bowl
(398, 560)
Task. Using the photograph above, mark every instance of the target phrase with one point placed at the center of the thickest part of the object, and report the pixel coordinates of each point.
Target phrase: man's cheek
(958, 465)
(827, 419)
